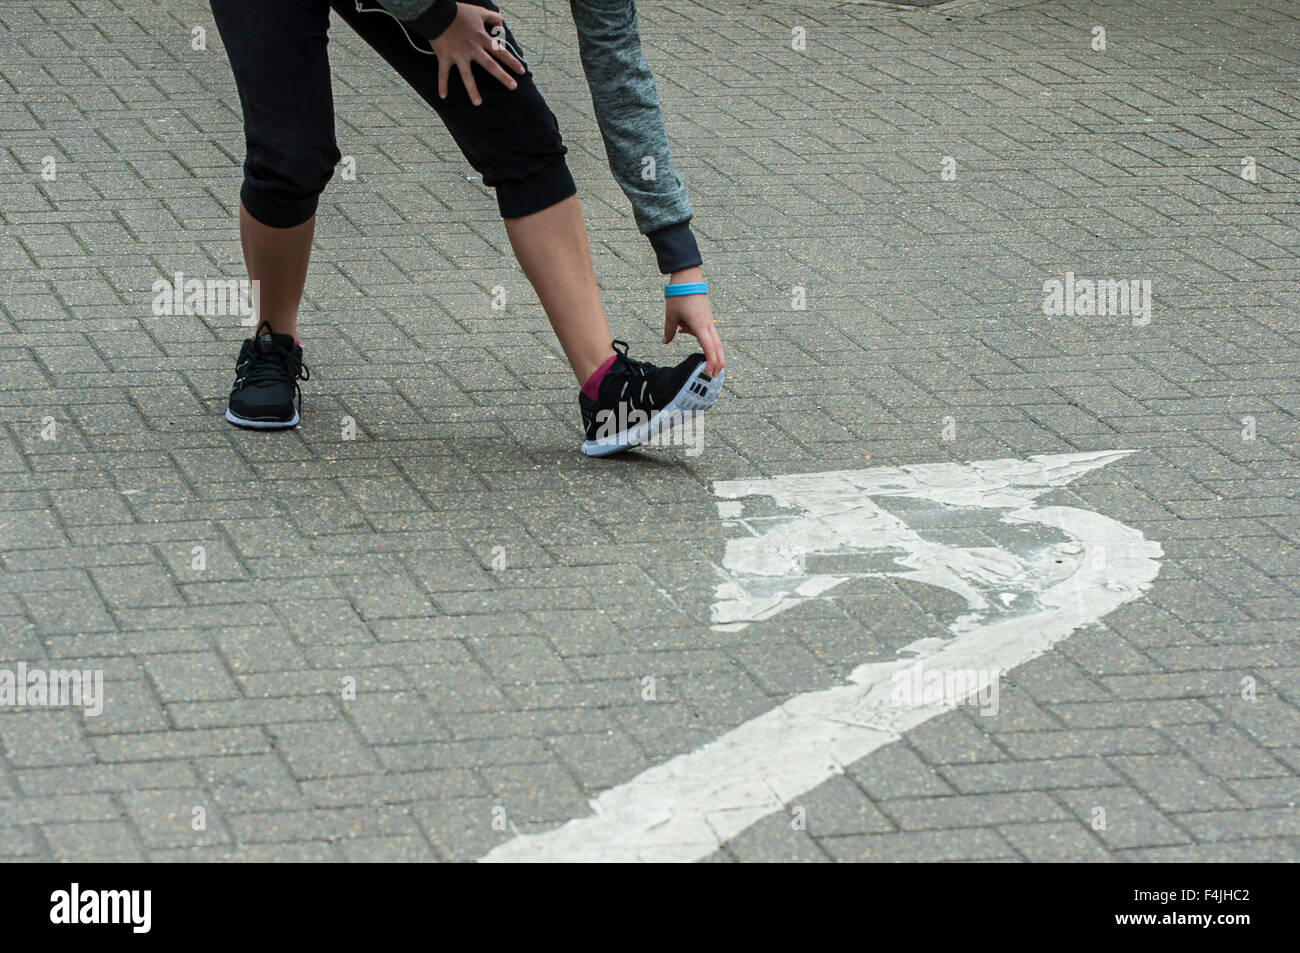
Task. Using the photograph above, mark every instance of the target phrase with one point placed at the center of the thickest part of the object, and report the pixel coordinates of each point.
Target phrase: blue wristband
(691, 288)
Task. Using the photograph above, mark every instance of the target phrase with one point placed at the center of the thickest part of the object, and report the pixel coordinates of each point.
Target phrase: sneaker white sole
(239, 421)
(698, 394)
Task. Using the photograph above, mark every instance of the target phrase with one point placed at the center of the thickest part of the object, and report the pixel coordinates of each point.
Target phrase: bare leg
(552, 248)
(277, 260)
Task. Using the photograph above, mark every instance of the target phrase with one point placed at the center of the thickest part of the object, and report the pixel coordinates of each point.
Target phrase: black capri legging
(277, 53)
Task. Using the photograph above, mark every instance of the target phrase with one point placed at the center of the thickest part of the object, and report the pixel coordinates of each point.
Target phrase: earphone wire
(503, 38)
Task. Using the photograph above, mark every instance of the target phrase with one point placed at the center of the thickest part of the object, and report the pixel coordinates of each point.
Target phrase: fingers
(503, 54)
(722, 357)
(483, 43)
(471, 87)
(711, 344)
(696, 319)
(495, 26)
(709, 338)
(486, 61)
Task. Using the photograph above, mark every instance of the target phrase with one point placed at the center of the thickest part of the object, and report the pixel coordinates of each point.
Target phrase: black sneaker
(639, 402)
(266, 382)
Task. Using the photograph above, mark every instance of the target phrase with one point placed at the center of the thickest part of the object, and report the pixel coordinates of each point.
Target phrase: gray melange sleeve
(627, 110)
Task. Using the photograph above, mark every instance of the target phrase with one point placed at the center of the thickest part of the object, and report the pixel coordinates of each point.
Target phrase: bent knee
(282, 189)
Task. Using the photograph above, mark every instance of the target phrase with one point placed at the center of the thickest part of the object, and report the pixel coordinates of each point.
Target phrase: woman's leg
(277, 53)
(552, 248)
(277, 259)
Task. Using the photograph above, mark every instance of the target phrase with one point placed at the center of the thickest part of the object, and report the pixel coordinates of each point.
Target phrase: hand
(694, 315)
(468, 41)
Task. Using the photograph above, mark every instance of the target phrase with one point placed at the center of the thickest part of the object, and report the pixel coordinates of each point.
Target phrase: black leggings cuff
(274, 212)
(549, 186)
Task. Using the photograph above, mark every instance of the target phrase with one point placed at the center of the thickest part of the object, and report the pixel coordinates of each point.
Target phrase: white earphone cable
(502, 38)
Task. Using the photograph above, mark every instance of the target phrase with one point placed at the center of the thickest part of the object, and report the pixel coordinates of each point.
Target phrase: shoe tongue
(266, 342)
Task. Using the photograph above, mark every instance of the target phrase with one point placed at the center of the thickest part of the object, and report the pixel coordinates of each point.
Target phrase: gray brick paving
(341, 673)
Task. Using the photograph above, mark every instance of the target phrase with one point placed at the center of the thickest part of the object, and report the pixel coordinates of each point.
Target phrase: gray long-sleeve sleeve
(627, 110)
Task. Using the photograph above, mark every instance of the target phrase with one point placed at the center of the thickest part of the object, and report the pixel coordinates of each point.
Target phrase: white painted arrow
(1020, 604)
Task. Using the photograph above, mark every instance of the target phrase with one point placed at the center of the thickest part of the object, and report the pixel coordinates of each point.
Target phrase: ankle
(591, 385)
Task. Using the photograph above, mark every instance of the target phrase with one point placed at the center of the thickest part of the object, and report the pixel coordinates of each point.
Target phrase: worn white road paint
(1019, 605)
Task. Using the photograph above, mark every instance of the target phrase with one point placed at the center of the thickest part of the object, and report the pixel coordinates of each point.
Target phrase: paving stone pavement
(494, 597)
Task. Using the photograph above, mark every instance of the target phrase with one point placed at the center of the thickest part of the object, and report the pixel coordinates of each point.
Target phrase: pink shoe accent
(591, 387)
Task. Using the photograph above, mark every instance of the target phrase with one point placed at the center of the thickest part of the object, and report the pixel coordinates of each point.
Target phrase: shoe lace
(272, 364)
(634, 371)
